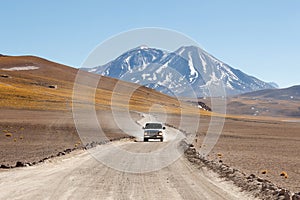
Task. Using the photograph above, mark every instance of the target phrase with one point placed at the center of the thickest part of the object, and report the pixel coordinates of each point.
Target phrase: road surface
(80, 175)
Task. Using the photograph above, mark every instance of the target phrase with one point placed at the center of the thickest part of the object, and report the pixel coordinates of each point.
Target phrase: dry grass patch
(9, 135)
(284, 174)
(264, 171)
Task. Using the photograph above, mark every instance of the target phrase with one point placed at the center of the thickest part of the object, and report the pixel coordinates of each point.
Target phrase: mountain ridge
(292, 92)
(187, 70)
(270, 102)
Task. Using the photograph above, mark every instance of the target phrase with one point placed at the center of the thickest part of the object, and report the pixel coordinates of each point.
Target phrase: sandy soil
(36, 135)
(253, 146)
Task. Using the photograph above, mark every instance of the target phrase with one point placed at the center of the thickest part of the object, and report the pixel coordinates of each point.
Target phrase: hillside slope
(29, 82)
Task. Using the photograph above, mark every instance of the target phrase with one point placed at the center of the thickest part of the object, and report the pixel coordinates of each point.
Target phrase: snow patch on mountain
(182, 72)
(193, 71)
(25, 68)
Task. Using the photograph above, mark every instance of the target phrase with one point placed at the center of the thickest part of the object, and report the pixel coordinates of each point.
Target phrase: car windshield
(153, 126)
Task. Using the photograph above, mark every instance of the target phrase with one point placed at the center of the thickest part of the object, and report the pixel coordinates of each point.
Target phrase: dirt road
(80, 175)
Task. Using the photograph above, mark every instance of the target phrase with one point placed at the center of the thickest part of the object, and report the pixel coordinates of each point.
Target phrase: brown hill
(271, 103)
(28, 82)
(279, 94)
(274, 102)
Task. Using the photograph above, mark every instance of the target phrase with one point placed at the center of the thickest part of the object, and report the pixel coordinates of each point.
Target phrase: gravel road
(80, 175)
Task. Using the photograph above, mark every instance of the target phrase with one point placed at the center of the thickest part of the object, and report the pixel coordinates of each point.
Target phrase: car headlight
(145, 133)
(160, 133)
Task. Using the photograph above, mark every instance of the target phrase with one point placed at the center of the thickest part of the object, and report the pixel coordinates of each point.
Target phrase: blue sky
(261, 38)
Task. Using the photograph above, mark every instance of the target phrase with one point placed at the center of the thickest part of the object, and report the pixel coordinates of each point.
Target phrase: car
(154, 130)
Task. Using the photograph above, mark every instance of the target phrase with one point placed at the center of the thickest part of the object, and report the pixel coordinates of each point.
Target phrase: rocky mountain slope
(187, 71)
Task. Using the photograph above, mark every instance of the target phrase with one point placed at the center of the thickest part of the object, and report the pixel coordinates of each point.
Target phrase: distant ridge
(271, 102)
(280, 94)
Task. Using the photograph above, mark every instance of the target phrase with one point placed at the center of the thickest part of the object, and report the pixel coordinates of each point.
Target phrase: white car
(153, 130)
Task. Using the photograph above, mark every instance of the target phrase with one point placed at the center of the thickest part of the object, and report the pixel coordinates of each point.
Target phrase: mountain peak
(143, 46)
(190, 48)
(189, 67)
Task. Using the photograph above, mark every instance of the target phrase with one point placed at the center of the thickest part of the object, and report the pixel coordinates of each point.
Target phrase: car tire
(145, 140)
(161, 139)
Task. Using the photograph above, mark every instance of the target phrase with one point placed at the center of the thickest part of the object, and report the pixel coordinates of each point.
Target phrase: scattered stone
(4, 76)
(260, 180)
(285, 193)
(281, 198)
(20, 164)
(52, 86)
(61, 154)
(68, 150)
(259, 187)
(252, 176)
(4, 166)
(296, 196)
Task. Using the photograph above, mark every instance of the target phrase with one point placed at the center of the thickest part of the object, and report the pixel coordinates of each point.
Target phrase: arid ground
(30, 136)
(257, 145)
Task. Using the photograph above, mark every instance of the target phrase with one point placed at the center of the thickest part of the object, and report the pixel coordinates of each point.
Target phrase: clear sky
(259, 37)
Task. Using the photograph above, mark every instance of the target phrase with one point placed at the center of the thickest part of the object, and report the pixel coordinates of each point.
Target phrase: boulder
(20, 164)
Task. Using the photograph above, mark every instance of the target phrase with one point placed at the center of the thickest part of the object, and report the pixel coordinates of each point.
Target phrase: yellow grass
(22, 94)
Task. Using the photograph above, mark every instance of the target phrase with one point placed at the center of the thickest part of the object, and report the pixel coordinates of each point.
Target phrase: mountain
(275, 85)
(271, 102)
(183, 72)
